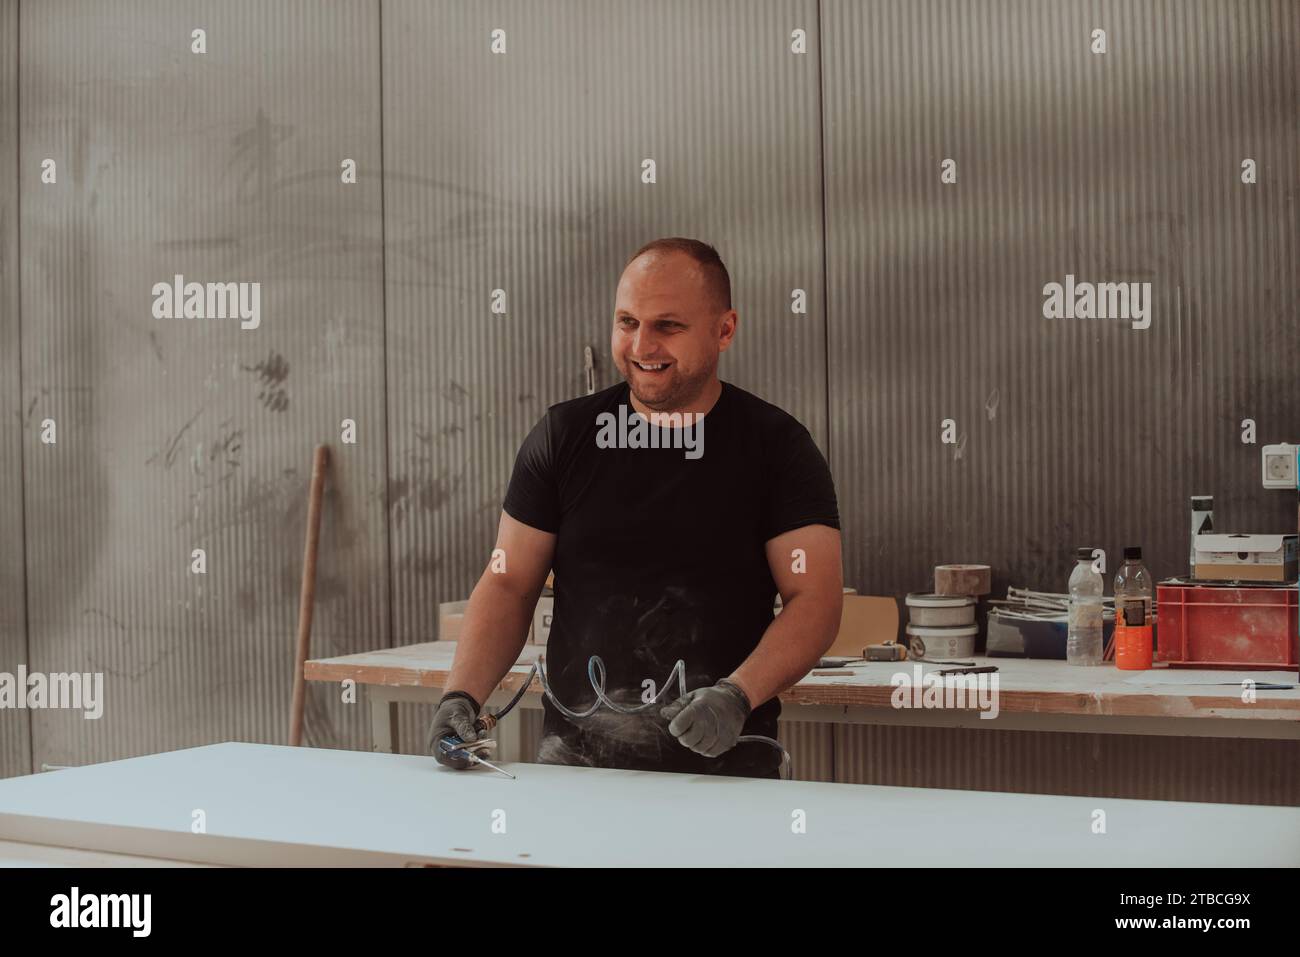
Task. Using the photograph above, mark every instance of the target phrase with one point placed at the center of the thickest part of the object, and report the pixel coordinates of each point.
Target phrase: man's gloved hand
(709, 720)
(456, 714)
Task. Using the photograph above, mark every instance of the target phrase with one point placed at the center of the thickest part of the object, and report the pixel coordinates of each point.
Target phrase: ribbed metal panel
(531, 732)
(1163, 768)
(175, 435)
(1117, 167)
(812, 749)
(521, 172)
(15, 726)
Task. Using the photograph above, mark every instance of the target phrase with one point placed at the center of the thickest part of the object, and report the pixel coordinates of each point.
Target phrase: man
(665, 546)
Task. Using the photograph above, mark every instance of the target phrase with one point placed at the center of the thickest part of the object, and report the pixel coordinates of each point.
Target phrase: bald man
(673, 507)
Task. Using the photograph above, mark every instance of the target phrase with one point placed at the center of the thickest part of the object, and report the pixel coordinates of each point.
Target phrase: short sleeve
(800, 490)
(533, 495)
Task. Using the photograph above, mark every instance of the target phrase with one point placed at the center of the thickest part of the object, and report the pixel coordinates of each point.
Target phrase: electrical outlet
(1280, 466)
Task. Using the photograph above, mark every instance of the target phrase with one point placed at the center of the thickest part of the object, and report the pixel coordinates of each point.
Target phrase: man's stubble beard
(687, 390)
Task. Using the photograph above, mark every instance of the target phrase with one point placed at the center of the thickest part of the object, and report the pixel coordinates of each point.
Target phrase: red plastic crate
(1208, 626)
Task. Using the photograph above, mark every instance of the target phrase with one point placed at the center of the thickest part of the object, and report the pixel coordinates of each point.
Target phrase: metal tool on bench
(885, 651)
(841, 662)
(473, 751)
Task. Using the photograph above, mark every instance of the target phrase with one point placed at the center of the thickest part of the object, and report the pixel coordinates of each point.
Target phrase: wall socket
(1280, 466)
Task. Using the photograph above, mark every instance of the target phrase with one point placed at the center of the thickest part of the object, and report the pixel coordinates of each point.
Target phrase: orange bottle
(1133, 646)
(1134, 629)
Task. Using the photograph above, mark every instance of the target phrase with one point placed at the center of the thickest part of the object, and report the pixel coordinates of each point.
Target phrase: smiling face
(668, 332)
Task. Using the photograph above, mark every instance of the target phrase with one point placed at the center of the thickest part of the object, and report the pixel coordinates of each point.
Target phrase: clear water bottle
(1083, 642)
(1133, 591)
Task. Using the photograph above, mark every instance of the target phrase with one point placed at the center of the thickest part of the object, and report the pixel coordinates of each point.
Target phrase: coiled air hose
(596, 675)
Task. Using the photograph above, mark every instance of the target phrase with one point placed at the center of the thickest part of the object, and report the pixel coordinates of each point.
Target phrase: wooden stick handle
(307, 598)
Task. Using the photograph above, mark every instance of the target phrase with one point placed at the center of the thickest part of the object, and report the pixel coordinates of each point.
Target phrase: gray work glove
(709, 720)
(456, 714)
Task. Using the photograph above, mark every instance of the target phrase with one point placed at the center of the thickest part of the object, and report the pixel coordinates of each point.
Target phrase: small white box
(1245, 557)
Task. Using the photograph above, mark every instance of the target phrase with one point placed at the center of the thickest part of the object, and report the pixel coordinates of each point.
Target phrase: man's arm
(811, 602)
(500, 608)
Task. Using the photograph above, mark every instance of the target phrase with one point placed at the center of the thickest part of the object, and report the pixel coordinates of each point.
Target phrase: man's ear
(726, 327)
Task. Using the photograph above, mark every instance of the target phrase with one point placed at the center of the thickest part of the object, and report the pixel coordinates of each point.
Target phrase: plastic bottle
(1083, 645)
(1133, 618)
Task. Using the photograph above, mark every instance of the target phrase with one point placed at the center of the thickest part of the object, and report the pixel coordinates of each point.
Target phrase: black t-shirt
(660, 556)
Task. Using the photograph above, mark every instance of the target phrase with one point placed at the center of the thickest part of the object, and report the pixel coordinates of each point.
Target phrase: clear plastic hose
(596, 675)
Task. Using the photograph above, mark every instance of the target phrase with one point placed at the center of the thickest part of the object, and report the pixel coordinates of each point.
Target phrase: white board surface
(266, 804)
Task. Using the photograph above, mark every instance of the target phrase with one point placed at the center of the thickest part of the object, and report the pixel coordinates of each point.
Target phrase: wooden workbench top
(1024, 685)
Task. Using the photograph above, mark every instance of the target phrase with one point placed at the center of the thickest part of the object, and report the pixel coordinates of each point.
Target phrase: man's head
(672, 313)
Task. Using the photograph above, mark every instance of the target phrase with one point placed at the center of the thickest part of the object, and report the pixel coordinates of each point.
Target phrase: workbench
(268, 805)
(1033, 695)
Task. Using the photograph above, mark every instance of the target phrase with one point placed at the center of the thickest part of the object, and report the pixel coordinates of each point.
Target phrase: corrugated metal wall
(522, 172)
(174, 435)
(1122, 166)
(1146, 767)
(15, 726)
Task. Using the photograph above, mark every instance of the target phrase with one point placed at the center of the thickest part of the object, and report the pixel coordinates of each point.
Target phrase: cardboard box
(1259, 558)
(451, 616)
(542, 616)
(451, 619)
(864, 620)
